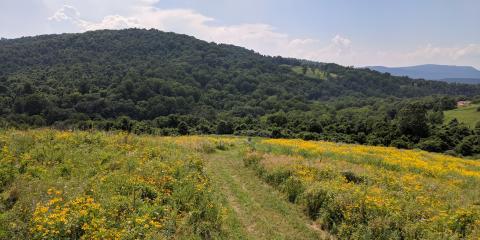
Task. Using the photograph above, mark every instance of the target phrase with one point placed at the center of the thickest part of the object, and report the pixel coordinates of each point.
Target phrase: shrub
(402, 142)
(467, 146)
(352, 177)
(432, 145)
(315, 199)
(277, 176)
(252, 159)
(293, 187)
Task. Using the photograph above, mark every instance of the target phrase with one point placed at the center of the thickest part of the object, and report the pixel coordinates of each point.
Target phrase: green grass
(256, 210)
(468, 115)
(96, 185)
(312, 72)
(107, 185)
(366, 192)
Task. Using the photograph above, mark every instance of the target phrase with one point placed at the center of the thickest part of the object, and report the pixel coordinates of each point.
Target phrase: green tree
(183, 128)
(224, 127)
(477, 128)
(467, 146)
(412, 120)
(278, 119)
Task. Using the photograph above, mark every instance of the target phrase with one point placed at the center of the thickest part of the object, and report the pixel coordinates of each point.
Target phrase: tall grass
(81, 185)
(361, 192)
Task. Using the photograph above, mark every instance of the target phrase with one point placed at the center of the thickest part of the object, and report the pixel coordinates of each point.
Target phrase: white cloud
(454, 53)
(110, 22)
(341, 41)
(263, 38)
(67, 12)
(458, 55)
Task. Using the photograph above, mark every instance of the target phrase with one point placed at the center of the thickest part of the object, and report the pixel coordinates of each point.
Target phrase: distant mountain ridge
(447, 73)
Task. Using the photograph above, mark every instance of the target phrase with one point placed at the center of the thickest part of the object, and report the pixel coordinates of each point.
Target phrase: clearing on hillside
(468, 115)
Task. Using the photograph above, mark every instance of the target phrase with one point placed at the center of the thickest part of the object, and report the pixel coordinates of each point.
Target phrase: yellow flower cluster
(372, 184)
(59, 218)
(409, 160)
(106, 185)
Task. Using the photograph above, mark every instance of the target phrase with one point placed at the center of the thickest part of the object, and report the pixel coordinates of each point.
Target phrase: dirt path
(256, 210)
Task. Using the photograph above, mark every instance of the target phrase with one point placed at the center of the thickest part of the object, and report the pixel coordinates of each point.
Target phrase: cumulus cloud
(458, 55)
(341, 41)
(454, 53)
(67, 12)
(110, 22)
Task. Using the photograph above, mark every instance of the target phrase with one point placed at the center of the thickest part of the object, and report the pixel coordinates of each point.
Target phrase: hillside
(149, 81)
(459, 74)
(106, 185)
(147, 73)
(468, 115)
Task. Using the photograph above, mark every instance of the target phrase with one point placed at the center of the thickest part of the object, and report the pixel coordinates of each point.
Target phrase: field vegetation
(364, 192)
(153, 82)
(116, 185)
(94, 185)
(469, 115)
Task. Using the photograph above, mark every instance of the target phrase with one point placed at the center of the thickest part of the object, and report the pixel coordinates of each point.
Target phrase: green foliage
(468, 115)
(183, 128)
(383, 196)
(469, 146)
(225, 127)
(412, 120)
(293, 187)
(148, 81)
(92, 185)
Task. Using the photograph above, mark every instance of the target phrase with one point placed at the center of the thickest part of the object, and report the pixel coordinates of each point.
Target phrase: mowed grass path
(255, 210)
(468, 115)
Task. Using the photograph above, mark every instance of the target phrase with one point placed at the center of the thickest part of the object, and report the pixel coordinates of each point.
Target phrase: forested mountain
(460, 74)
(166, 83)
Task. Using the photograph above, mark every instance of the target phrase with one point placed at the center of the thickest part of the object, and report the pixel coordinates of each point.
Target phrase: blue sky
(349, 32)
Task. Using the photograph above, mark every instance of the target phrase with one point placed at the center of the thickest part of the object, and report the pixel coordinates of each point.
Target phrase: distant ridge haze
(448, 73)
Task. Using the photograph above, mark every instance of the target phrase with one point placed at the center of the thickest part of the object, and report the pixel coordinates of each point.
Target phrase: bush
(224, 127)
(277, 176)
(402, 142)
(352, 177)
(467, 146)
(183, 128)
(293, 187)
(316, 198)
(252, 159)
(432, 145)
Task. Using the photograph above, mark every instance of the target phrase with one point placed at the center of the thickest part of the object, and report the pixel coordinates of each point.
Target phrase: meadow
(468, 115)
(115, 185)
(365, 192)
(95, 185)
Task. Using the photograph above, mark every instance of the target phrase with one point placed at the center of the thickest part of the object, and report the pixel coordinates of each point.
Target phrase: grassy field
(468, 115)
(313, 73)
(364, 192)
(81, 185)
(97, 185)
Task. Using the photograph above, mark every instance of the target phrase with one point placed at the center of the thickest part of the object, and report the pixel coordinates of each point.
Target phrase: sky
(349, 32)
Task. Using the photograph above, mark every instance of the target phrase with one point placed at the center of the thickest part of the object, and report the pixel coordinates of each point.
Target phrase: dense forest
(149, 81)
